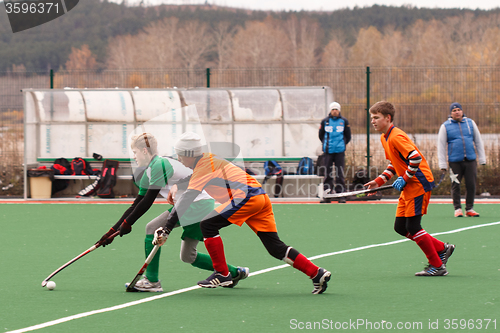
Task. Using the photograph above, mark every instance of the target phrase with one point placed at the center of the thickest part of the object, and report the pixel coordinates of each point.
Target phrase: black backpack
(61, 167)
(80, 167)
(108, 179)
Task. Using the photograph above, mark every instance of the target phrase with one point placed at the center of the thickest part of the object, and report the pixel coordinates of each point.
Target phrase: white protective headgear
(189, 144)
(334, 106)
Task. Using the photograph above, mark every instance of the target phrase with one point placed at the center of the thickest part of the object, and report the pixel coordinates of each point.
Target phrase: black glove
(125, 228)
(105, 240)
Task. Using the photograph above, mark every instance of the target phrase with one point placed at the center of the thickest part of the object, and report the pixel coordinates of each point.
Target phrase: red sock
(426, 243)
(305, 266)
(438, 245)
(216, 250)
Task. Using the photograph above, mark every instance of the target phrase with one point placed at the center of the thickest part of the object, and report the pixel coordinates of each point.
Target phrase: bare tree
(223, 37)
(262, 44)
(429, 44)
(81, 59)
(488, 53)
(123, 53)
(310, 36)
(394, 48)
(160, 40)
(304, 36)
(367, 51)
(292, 30)
(334, 54)
(194, 43)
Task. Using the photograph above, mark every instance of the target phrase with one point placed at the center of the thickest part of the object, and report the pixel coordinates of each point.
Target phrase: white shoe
(145, 285)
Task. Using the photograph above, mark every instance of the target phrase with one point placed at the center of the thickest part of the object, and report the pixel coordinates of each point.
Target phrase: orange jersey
(223, 180)
(398, 146)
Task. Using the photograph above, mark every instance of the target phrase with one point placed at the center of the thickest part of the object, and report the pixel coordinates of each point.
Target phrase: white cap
(334, 106)
(189, 145)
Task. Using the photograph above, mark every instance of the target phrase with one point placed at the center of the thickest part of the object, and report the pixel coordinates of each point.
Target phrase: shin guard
(426, 244)
(298, 261)
(154, 265)
(215, 248)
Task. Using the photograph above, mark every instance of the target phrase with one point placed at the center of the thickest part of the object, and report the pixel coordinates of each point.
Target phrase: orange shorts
(256, 212)
(414, 206)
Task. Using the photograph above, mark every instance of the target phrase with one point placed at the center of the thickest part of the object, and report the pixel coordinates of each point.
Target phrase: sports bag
(108, 179)
(272, 168)
(61, 166)
(80, 167)
(306, 166)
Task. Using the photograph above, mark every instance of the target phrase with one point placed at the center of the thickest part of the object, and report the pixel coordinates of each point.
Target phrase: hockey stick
(370, 190)
(354, 193)
(95, 246)
(441, 178)
(150, 257)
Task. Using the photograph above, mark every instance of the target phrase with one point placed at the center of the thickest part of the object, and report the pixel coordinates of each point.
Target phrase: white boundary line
(180, 291)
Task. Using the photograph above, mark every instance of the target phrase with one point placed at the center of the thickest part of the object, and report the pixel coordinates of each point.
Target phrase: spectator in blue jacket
(335, 134)
(465, 147)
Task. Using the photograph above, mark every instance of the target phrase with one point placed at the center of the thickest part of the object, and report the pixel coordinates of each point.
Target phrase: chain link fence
(421, 95)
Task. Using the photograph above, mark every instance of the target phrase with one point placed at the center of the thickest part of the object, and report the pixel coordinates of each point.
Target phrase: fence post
(208, 77)
(368, 121)
(51, 79)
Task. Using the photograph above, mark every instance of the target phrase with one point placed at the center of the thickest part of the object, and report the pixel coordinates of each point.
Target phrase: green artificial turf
(370, 288)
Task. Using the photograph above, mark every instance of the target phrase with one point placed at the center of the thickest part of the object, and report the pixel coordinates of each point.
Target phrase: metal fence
(422, 96)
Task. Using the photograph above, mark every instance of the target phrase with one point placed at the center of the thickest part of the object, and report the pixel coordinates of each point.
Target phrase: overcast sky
(327, 5)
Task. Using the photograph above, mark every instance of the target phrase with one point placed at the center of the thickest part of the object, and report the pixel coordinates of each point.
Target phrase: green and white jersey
(164, 172)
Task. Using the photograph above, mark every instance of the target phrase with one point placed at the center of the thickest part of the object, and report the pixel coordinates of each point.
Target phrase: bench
(294, 186)
(124, 185)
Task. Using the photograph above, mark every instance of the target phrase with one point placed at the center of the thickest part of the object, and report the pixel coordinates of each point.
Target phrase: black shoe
(320, 281)
(216, 280)
(325, 201)
(342, 200)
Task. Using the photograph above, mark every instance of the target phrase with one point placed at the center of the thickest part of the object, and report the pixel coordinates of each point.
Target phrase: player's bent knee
(273, 244)
(400, 226)
(211, 226)
(413, 224)
(188, 258)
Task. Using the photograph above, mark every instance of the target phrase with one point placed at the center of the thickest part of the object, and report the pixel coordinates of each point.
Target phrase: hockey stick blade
(150, 257)
(92, 248)
(354, 193)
